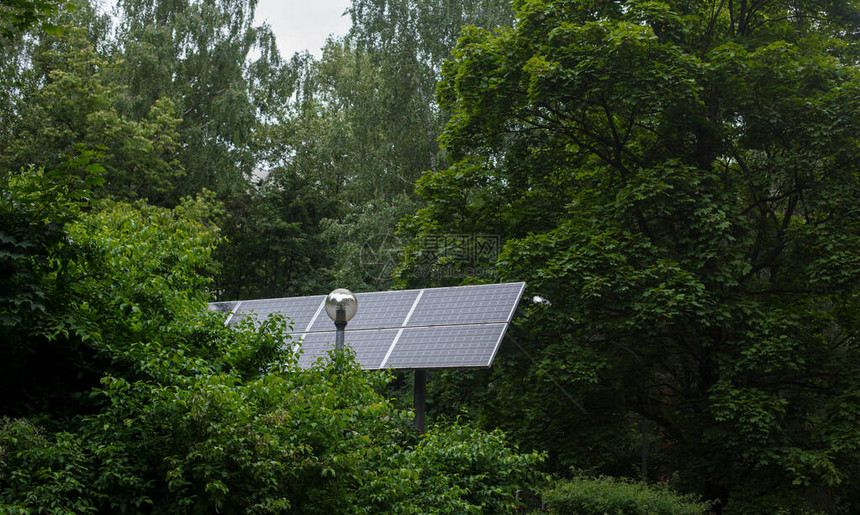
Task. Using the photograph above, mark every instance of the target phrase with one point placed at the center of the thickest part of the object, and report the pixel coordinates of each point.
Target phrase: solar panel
(375, 310)
(301, 310)
(467, 304)
(223, 307)
(370, 346)
(452, 346)
(452, 327)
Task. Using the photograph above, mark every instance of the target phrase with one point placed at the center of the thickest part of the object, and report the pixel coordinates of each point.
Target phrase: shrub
(611, 496)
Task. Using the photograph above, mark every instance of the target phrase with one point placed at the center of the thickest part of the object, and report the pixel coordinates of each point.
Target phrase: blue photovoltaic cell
(375, 310)
(313, 346)
(450, 327)
(300, 310)
(466, 304)
(370, 346)
(447, 346)
(222, 307)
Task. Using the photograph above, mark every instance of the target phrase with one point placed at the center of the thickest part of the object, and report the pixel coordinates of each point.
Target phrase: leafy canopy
(678, 180)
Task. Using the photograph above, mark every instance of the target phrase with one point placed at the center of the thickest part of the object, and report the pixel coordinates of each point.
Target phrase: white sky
(304, 24)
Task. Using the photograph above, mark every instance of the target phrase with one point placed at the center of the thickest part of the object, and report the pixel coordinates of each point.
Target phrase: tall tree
(199, 55)
(365, 122)
(405, 43)
(60, 103)
(72, 112)
(677, 181)
(17, 16)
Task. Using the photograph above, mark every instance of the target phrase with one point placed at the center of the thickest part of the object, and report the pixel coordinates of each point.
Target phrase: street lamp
(340, 306)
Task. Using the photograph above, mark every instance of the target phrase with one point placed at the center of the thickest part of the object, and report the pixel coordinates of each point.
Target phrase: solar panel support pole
(420, 398)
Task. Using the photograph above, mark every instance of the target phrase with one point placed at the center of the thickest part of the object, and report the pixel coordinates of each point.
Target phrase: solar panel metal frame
(448, 327)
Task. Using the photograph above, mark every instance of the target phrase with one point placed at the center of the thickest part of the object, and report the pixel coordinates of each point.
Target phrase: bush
(312, 441)
(41, 473)
(610, 496)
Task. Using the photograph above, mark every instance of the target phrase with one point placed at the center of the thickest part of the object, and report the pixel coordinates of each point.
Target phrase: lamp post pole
(340, 325)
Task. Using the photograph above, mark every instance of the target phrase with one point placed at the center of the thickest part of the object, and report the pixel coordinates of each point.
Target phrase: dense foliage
(677, 181)
(154, 404)
(599, 496)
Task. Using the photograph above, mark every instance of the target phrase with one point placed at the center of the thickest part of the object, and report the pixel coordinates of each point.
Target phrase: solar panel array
(453, 327)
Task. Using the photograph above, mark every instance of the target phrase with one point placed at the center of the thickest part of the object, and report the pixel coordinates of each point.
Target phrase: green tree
(82, 292)
(199, 56)
(678, 181)
(363, 245)
(400, 46)
(364, 123)
(63, 104)
(35, 277)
